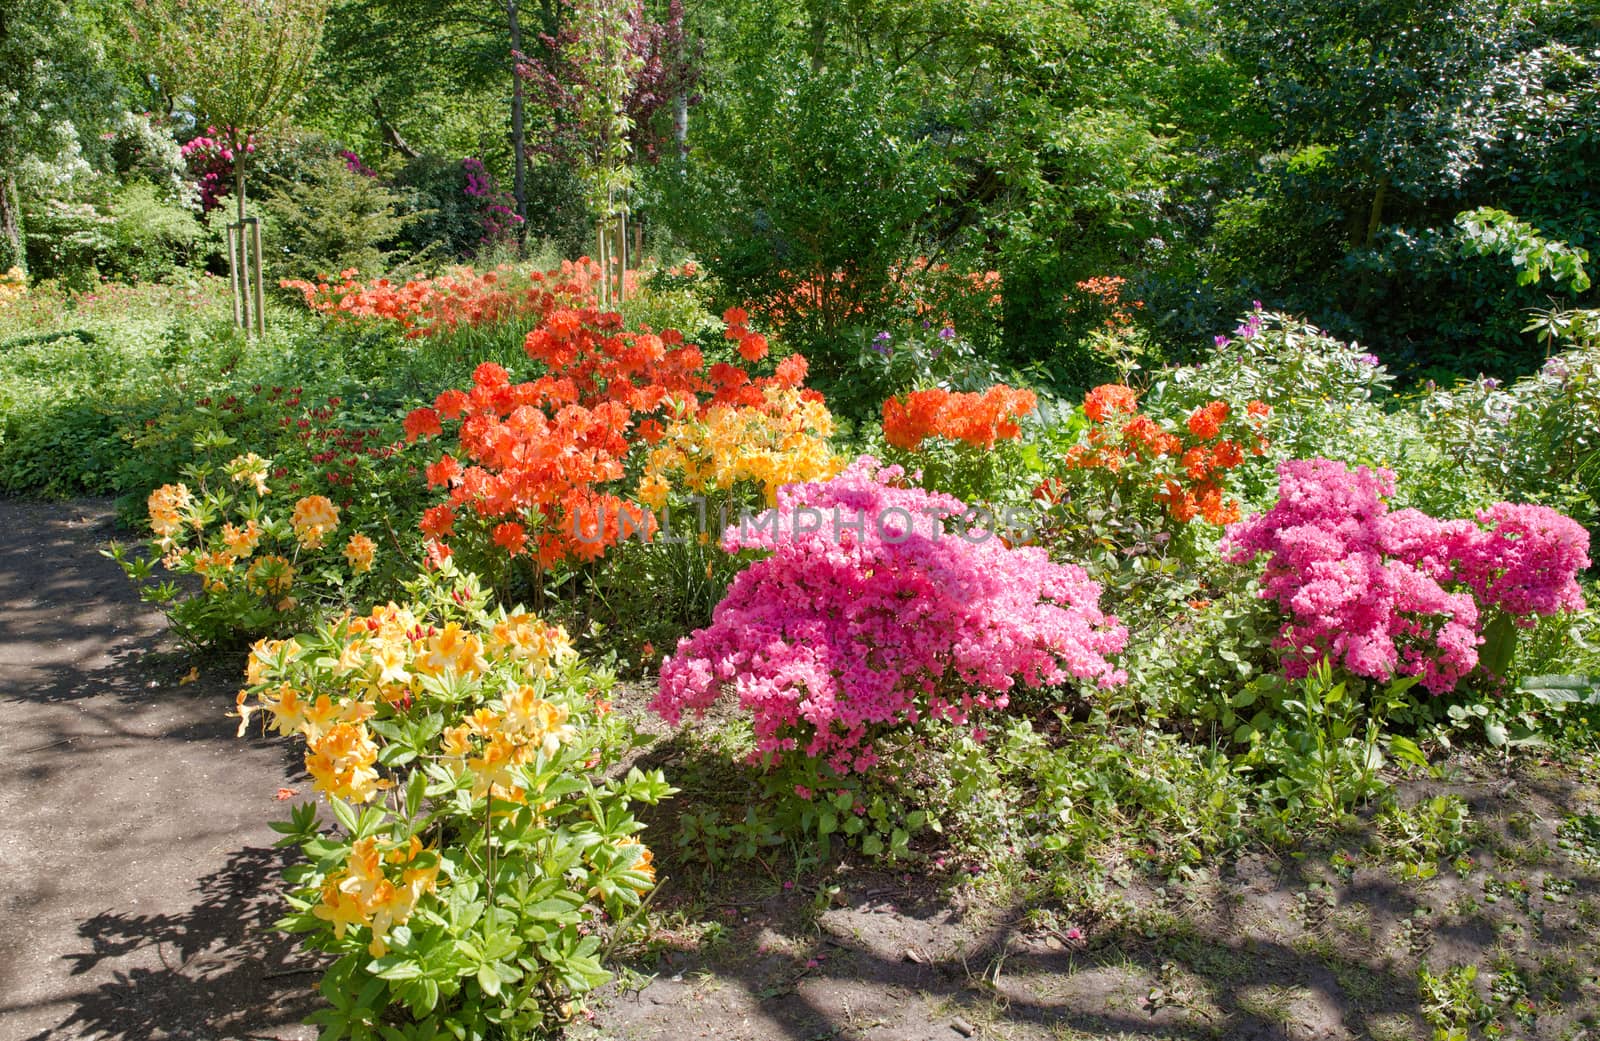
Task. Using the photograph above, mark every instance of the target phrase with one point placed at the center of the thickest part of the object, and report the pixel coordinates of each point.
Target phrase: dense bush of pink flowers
(1385, 594)
(877, 607)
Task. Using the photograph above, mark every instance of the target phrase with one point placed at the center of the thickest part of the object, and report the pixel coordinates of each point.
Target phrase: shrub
(844, 634)
(545, 458)
(149, 237)
(1384, 594)
(1313, 382)
(460, 298)
(1538, 438)
(257, 569)
(1182, 467)
(331, 218)
(963, 443)
(482, 854)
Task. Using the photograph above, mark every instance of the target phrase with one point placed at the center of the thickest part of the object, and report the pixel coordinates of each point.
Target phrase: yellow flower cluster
(13, 286)
(315, 516)
(241, 542)
(171, 506)
(527, 639)
(381, 659)
(365, 894)
(342, 762)
(250, 469)
(359, 552)
(270, 576)
(213, 569)
(490, 745)
(781, 442)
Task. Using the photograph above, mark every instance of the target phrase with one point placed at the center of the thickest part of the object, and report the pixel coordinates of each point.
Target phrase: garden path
(138, 868)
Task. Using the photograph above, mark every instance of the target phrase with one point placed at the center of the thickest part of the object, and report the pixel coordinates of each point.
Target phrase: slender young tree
(241, 64)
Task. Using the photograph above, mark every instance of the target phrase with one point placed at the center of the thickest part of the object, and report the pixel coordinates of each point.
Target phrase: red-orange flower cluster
(1185, 468)
(976, 419)
(538, 456)
(462, 297)
(1104, 293)
(836, 296)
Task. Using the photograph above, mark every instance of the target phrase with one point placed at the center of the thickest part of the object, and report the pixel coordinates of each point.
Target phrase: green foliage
(243, 65)
(1387, 118)
(1538, 439)
(1322, 748)
(55, 100)
(1486, 231)
(443, 218)
(332, 219)
(799, 174)
(1329, 398)
(149, 237)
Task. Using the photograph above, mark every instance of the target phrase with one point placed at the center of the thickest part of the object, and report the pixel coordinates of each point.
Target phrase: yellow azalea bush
(783, 441)
(258, 557)
(481, 850)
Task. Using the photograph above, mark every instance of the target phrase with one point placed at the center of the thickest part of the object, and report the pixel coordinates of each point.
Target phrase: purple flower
(947, 333)
(880, 342)
(1367, 359)
(1221, 340)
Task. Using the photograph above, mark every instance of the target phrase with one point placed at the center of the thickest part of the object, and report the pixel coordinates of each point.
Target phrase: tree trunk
(241, 260)
(12, 251)
(680, 122)
(390, 132)
(519, 182)
(1375, 215)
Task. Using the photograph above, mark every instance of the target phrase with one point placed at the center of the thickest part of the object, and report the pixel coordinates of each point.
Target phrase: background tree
(1382, 120)
(55, 97)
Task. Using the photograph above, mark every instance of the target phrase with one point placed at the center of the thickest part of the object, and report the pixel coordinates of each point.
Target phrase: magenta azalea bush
(1385, 594)
(878, 607)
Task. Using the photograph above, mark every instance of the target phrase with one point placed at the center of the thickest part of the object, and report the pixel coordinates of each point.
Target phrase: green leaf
(1499, 645)
(1406, 750)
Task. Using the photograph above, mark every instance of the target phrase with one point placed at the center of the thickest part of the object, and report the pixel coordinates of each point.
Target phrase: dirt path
(139, 875)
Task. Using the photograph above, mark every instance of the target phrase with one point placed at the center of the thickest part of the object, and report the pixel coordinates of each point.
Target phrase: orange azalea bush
(1183, 468)
(978, 420)
(461, 297)
(480, 850)
(255, 556)
(544, 465)
(951, 439)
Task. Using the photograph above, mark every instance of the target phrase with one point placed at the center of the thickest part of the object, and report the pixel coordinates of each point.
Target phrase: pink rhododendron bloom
(876, 608)
(1385, 594)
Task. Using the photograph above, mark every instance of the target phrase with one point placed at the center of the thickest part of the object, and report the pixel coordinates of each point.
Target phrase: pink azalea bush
(877, 608)
(1384, 594)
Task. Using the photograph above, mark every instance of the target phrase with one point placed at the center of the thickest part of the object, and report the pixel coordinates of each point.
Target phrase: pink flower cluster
(1386, 594)
(499, 219)
(877, 608)
(210, 159)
